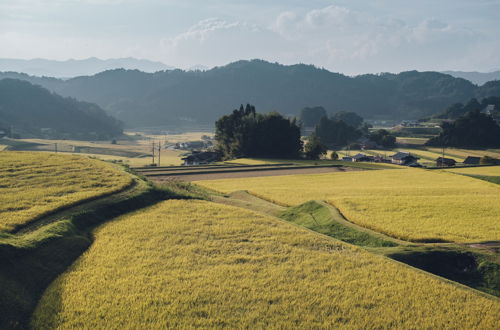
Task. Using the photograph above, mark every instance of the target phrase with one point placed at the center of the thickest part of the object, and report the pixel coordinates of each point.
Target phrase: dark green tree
(310, 117)
(314, 149)
(350, 118)
(245, 133)
(474, 130)
(383, 138)
(336, 133)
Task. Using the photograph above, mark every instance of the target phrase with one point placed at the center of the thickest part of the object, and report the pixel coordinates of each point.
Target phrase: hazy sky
(349, 36)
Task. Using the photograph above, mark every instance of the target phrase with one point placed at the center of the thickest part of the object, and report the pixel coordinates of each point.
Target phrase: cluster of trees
(457, 110)
(473, 130)
(245, 133)
(383, 138)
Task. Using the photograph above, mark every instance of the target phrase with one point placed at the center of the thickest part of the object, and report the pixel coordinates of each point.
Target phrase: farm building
(470, 160)
(403, 158)
(362, 158)
(347, 159)
(442, 162)
(200, 158)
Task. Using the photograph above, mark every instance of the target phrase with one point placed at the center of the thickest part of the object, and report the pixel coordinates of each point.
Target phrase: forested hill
(33, 111)
(171, 97)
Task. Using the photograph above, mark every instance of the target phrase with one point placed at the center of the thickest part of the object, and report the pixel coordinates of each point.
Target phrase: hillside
(73, 68)
(175, 97)
(33, 111)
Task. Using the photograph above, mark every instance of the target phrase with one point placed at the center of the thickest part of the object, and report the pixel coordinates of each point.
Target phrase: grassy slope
(319, 218)
(220, 266)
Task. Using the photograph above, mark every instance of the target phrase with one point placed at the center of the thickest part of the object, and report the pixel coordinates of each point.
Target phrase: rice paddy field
(483, 170)
(409, 204)
(188, 264)
(32, 184)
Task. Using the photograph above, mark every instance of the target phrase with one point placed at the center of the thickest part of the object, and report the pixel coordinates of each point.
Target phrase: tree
(350, 118)
(336, 133)
(474, 130)
(245, 133)
(310, 117)
(314, 149)
(383, 138)
(334, 155)
(487, 160)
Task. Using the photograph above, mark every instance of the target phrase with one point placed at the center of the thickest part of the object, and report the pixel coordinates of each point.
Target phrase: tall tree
(350, 118)
(310, 117)
(245, 133)
(336, 133)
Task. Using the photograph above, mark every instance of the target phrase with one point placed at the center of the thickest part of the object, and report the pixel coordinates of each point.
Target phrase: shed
(441, 162)
(199, 158)
(471, 160)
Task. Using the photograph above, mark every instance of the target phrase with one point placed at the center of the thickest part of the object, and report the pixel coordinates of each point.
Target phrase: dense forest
(33, 111)
(176, 96)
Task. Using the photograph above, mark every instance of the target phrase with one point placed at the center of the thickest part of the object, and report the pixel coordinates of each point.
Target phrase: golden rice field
(463, 153)
(483, 170)
(34, 183)
(195, 264)
(409, 204)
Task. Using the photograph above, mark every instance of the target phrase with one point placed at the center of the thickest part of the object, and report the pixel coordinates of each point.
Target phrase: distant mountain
(74, 68)
(200, 97)
(478, 78)
(34, 111)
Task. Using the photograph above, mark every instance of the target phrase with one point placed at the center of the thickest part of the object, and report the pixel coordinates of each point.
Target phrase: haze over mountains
(176, 97)
(73, 68)
(478, 78)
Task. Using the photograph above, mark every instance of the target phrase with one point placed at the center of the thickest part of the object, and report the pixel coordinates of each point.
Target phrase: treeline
(246, 133)
(457, 110)
(473, 130)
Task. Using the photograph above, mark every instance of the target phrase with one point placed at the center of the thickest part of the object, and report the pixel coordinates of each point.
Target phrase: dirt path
(250, 174)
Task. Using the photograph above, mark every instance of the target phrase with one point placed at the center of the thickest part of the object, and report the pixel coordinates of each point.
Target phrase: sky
(347, 36)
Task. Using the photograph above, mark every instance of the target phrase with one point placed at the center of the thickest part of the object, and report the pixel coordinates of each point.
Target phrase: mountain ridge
(176, 96)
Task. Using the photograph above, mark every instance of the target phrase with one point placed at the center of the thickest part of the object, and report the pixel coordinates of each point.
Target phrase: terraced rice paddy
(32, 184)
(187, 264)
(409, 204)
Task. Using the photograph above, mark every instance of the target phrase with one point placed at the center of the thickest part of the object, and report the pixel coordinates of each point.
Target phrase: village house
(403, 158)
(362, 158)
(448, 162)
(470, 160)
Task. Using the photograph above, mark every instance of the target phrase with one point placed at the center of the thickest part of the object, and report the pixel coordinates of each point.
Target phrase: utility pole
(153, 152)
(442, 158)
(55, 147)
(159, 152)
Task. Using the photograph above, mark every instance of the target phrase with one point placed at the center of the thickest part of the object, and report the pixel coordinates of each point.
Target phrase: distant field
(410, 140)
(483, 170)
(410, 204)
(34, 183)
(195, 264)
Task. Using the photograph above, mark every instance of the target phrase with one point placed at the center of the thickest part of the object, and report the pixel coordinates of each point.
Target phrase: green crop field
(409, 204)
(32, 184)
(188, 264)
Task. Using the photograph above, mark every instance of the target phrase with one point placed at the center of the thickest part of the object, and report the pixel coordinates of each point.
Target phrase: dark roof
(359, 156)
(403, 155)
(202, 156)
(472, 160)
(445, 159)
